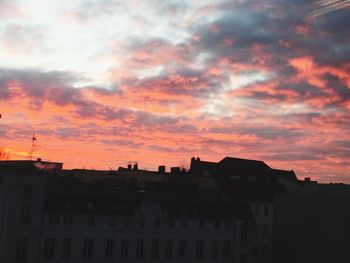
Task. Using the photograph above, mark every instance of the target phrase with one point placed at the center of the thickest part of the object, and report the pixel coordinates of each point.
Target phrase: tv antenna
(34, 145)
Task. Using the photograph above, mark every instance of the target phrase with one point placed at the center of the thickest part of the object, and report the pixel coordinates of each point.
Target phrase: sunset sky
(106, 82)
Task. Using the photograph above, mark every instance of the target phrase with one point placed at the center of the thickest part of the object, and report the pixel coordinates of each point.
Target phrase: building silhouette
(234, 210)
(54, 215)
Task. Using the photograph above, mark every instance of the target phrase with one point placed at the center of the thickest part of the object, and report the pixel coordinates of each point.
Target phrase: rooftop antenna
(32, 149)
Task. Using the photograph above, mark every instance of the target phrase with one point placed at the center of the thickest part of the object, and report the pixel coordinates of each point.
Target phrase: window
(264, 250)
(182, 248)
(266, 210)
(54, 219)
(265, 230)
(25, 214)
(244, 233)
(142, 222)
(169, 249)
(139, 248)
(21, 249)
(251, 178)
(199, 249)
(27, 192)
(255, 254)
(112, 220)
(217, 224)
(171, 223)
(109, 249)
(91, 206)
(66, 247)
(256, 209)
(49, 249)
(201, 224)
(243, 258)
(88, 248)
(124, 249)
(127, 221)
(91, 220)
(226, 249)
(215, 249)
(228, 225)
(157, 223)
(67, 220)
(155, 249)
(184, 223)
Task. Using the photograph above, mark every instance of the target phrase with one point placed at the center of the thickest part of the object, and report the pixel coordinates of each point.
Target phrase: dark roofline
(227, 158)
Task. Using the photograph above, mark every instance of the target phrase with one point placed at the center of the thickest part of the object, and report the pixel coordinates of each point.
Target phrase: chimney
(175, 170)
(307, 179)
(136, 166)
(129, 166)
(161, 169)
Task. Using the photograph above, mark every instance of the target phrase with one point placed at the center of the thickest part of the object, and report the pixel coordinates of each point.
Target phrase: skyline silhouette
(102, 83)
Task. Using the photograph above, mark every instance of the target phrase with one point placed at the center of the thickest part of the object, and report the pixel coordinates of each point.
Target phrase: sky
(104, 83)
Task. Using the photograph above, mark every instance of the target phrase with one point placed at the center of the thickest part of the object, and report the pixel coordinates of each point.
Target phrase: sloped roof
(238, 162)
(29, 167)
(287, 175)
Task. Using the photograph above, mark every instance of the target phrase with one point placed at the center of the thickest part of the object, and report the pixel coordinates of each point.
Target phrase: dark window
(27, 192)
(68, 220)
(49, 249)
(109, 249)
(88, 248)
(265, 230)
(215, 249)
(124, 249)
(184, 223)
(266, 210)
(228, 225)
(226, 249)
(112, 221)
(255, 254)
(244, 232)
(66, 248)
(127, 221)
(169, 249)
(157, 223)
(182, 248)
(217, 224)
(91, 220)
(201, 224)
(21, 250)
(264, 250)
(256, 209)
(51, 219)
(171, 223)
(155, 249)
(25, 214)
(142, 222)
(199, 249)
(256, 230)
(139, 248)
(54, 219)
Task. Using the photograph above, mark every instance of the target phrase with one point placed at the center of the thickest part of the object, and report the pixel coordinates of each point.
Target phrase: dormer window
(251, 179)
